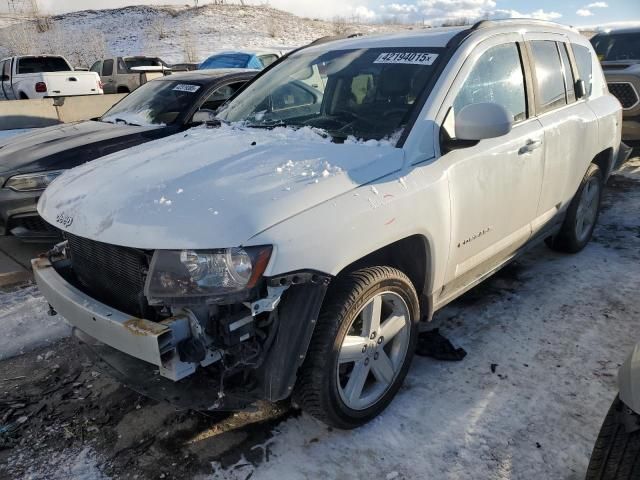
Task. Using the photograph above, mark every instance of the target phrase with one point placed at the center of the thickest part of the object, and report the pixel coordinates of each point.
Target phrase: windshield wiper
(121, 120)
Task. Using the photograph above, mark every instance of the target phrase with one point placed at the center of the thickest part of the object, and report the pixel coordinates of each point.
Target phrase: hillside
(175, 33)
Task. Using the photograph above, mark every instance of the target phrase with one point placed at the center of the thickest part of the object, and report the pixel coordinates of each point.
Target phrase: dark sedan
(163, 107)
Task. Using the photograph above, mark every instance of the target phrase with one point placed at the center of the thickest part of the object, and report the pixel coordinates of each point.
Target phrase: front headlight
(199, 273)
(31, 182)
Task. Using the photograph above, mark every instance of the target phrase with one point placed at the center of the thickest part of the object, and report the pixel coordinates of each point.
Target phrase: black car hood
(67, 146)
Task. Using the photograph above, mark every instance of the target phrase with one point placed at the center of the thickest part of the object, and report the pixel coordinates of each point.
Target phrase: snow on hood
(210, 188)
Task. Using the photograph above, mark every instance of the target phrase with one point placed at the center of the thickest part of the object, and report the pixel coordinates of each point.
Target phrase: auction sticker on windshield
(183, 87)
(407, 58)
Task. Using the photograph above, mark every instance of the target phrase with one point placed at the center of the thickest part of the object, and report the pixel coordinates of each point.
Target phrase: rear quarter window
(585, 66)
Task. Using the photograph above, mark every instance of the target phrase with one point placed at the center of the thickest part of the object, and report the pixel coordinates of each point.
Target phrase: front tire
(582, 214)
(616, 454)
(361, 348)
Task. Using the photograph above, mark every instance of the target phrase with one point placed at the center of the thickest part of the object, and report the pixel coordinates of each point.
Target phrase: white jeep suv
(292, 247)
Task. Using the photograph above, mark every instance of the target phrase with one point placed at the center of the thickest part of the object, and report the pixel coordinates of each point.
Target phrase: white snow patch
(142, 118)
(25, 322)
(70, 464)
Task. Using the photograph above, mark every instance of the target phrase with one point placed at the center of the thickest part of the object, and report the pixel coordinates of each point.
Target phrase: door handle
(530, 146)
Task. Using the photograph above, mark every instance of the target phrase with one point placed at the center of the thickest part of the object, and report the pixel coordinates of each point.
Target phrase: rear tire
(352, 372)
(582, 214)
(616, 454)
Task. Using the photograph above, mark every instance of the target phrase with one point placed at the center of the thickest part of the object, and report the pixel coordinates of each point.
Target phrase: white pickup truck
(44, 76)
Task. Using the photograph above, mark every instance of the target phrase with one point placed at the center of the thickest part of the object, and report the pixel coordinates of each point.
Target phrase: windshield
(158, 102)
(42, 65)
(226, 60)
(365, 93)
(617, 46)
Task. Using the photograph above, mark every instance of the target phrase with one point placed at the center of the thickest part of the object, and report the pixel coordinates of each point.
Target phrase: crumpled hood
(209, 188)
(53, 148)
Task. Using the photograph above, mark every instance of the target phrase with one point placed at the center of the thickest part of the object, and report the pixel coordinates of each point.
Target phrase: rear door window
(497, 77)
(122, 67)
(585, 66)
(107, 68)
(549, 75)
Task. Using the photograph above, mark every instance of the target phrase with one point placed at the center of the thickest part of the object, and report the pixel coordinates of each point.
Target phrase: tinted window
(42, 65)
(231, 60)
(107, 68)
(496, 78)
(6, 68)
(122, 67)
(585, 66)
(569, 81)
(617, 46)
(96, 67)
(134, 62)
(548, 68)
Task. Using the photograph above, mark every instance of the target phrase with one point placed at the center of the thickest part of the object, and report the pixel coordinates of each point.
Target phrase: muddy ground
(61, 418)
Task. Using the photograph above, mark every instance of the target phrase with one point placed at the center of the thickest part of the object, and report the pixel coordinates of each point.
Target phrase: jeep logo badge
(64, 220)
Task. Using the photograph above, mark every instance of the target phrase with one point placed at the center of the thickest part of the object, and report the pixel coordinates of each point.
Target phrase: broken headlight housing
(202, 273)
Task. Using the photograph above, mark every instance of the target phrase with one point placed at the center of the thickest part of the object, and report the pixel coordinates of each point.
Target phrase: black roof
(209, 76)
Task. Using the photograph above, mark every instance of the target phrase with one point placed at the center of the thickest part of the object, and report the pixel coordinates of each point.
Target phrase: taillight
(41, 87)
(100, 85)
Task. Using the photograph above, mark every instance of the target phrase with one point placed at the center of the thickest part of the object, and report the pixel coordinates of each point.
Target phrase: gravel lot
(554, 327)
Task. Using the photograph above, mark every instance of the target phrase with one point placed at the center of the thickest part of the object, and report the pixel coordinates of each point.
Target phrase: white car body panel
(237, 182)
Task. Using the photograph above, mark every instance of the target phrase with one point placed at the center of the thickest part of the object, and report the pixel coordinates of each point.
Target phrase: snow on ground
(166, 31)
(25, 322)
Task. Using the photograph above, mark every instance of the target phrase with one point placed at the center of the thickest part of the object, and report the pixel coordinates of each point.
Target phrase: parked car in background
(241, 59)
(184, 67)
(617, 448)
(619, 53)
(43, 76)
(125, 74)
(160, 108)
(294, 249)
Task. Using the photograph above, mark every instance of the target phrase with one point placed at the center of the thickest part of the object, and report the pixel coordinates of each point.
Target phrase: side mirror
(479, 121)
(4, 78)
(581, 89)
(205, 116)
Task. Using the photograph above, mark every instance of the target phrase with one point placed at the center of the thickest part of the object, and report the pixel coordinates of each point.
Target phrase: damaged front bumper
(152, 342)
(135, 350)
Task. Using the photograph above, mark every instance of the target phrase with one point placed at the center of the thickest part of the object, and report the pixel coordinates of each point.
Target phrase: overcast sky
(574, 12)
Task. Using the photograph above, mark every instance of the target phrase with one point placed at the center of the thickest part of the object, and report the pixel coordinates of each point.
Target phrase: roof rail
(502, 21)
(333, 38)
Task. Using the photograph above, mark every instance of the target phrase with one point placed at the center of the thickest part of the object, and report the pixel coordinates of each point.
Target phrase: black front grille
(625, 93)
(33, 223)
(111, 274)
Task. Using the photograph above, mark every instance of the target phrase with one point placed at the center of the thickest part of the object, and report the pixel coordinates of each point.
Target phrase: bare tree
(189, 47)
(158, 28)
(340, 25)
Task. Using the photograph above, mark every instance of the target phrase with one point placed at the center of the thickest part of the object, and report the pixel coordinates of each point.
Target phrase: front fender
(629, 380)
